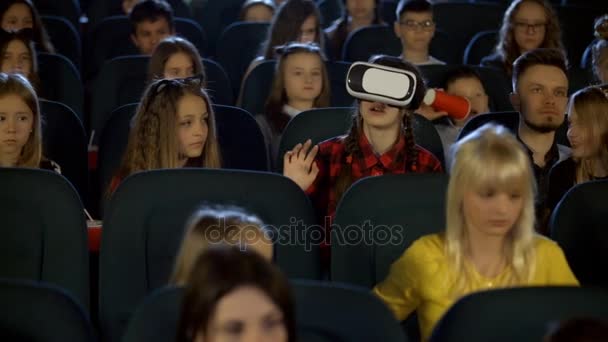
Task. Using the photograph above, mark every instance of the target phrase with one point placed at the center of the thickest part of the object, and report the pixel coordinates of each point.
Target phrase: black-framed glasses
(196, 80)
(425, 25)
(523, 26)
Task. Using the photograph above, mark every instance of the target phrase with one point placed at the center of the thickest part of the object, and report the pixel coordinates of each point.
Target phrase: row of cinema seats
(144, 220)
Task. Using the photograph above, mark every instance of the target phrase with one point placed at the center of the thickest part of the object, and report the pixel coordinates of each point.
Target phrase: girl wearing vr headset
(489, 241)
(300, 83)
(380, 141)
(173, 127)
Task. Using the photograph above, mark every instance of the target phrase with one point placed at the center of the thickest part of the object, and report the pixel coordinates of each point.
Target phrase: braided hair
(351, 141)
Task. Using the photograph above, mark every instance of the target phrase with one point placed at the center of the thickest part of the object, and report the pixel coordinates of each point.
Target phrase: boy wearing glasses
(415, 28)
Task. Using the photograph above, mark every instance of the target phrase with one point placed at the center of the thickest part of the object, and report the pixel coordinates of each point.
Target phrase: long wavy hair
(169, 47)
(490, 158)
(40, 36)
(351, 141)
(285, 26)
(507, 46)
(14, 84)
(153, 140)
(25, 37)
(214, 225)
(590, 105)
(278, 97)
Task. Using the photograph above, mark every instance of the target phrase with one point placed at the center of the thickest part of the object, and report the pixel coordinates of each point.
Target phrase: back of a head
(416, 6)
(218, 272)
(547, 57)
(151, 10)
(398, 63)
(213, 225)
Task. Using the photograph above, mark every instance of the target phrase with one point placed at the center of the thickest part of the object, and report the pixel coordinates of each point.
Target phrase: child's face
(149, 33)
(472, 89)
(192, 127)
(258, 13)
(489, 212)
(308, 30)
(245, 314)
(379, 115)
(17, 59)
(303, 77)
(529, 26)
(16, 124)
(17, 17)
(415, 29)
(178, 65)
(361, 9)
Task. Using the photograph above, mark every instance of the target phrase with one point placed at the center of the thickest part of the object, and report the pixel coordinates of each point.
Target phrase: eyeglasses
(426, 25)
(525, 27)
(196, 80)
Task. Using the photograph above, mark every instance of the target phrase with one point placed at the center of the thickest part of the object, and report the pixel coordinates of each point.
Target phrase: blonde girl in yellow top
(489, 241)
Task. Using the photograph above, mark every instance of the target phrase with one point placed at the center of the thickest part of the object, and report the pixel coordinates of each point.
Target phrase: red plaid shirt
(330, 160)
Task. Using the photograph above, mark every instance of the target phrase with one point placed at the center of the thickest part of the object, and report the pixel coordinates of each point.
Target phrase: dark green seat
(68, 9)
(366, 238)
(145, 218)
(44, 233)
(60, 81)
(214, 16)
(65, 142)
(517, 314)
(578, 224)
(41, 312)
(482, 44)
(65, 38)
(324, 312)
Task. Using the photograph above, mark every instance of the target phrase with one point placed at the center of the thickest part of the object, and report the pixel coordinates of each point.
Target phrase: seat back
(41, 312)
(324, 312)
(214, 16)
(366, 239)
(60, 81)
(65, 142)
(482, 44)
(578, 224)
(145, 218)
(238, 45)
(68, 9)
(483, 316)
(65, 38)
(44, 234)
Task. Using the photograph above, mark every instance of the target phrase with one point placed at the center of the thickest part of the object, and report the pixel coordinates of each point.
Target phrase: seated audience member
(219, 225)
(173, 127)
(580, 329)
(20, 125)
(295, 21)
(357, 14)
(600, 50)
(236, 295)
(300, 83)
(380, 141)
(588, 136)
(465, 82)
(489, 240)
(19, 55)
(526, 25)
(257, 11)
(16, 15)
(151, 22)
(540, 95)
(415, 28)
(175, 57)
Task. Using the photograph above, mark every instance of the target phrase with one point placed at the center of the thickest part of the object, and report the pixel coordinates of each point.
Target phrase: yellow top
(418, 279)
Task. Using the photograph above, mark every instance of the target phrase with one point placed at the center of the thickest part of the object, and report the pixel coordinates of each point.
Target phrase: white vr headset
(379, 83)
